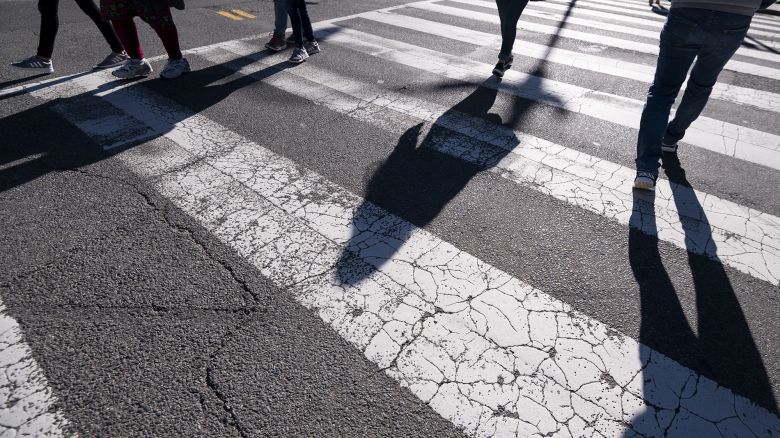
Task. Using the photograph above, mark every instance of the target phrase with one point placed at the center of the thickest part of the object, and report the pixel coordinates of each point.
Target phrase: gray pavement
(149, 317)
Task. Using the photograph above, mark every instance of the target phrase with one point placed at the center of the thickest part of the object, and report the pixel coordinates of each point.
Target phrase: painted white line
(27, 405)
(650, 35)
(618, 6)
(613, 67)
(651, 49)
(721, 137)
(486, 351)
(744, 238)
(579, 10)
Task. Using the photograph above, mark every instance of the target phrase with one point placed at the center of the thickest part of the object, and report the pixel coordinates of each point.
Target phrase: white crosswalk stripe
(611, 41)
(487, 351)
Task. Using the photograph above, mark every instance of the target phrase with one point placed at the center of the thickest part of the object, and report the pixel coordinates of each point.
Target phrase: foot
(502, 66)
(35, 63)
(644, 181)
(299, 55)
(133, 68)
(277, 43)
(175, 68)
(669, 148)
(312, 47)
(114, 59)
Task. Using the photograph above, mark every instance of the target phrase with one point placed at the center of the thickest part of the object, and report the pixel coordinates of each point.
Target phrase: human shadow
(419, 178)
(721, 347)
(30, 157)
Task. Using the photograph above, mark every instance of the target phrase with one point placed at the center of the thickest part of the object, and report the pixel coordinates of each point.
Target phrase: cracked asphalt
(306, 252)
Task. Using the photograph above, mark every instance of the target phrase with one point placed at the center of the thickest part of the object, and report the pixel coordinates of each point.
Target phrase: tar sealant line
(744, 238)
(486, 351)
(648, 48)
(27, 404)
(598, 14)
(613, 67)
(722, 137)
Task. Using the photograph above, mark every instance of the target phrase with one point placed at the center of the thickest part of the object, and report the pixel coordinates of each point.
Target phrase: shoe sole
(142, 75)
(644, 186)
(40, 69)
(275, 49)
(103, 67)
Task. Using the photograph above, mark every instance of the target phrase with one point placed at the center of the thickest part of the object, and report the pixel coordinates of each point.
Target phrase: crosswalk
(483, 345)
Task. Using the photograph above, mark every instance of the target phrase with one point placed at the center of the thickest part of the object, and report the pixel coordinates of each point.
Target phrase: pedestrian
(50, 25)
(301, 25)
(509, 12)
(709, 32)
(156, 13)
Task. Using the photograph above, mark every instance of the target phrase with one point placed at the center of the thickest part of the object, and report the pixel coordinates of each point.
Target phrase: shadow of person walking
(721, 346)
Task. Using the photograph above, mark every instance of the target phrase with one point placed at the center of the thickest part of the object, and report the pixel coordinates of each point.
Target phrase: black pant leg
(93, 12)
(308, 32)
(295, 21)
(50, 24)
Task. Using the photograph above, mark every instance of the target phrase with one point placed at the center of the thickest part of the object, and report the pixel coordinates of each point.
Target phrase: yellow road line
(243, 14)
(229, 15)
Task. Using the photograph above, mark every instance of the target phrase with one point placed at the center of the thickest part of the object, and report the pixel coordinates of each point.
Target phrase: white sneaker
(133, 68)
(35, 63)
(175, 68)
(644, 181)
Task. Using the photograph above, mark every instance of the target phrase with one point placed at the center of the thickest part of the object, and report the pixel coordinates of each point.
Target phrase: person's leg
(128, 35)
(295, 21)
(280, 17)
(680, 42)
(49, 26)
(93, 12)
(724, 39)
(170, 39)
(509, 12)
(308, 31)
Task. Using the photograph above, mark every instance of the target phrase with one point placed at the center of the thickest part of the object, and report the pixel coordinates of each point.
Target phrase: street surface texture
(386, 240)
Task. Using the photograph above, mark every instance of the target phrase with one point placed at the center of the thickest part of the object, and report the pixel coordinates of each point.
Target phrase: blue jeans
(509, 12)
(709, 37)
(280, 16)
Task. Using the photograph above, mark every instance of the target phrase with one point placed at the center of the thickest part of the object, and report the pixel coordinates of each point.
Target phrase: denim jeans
(509, 12)
(709, 37)
(280, 16)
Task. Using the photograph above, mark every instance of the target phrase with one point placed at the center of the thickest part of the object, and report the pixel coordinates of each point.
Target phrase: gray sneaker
(299, 55)
(175, 68)
(35, 63)
(312, 47)
(133, 68)
(644, 181)
(115, 59)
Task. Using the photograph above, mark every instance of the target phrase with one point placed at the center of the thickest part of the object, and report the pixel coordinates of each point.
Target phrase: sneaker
(277, 43)
(312, 47)
(133, 68)
(299, 55)
(669, 148)
(35, 63)
(644, 181)
(114, 59)
(175, 68)
(502, 66)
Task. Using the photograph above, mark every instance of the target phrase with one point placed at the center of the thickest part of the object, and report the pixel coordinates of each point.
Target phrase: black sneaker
(502, 66)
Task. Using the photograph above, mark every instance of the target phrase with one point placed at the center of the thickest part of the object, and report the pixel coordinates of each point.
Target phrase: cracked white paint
(648, 48)
(489, 353)
(613, 67)
(27, 405)
(722, 137)
(744, 238)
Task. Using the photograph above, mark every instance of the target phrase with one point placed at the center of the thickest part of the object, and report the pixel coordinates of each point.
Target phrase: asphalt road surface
(385, 240)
